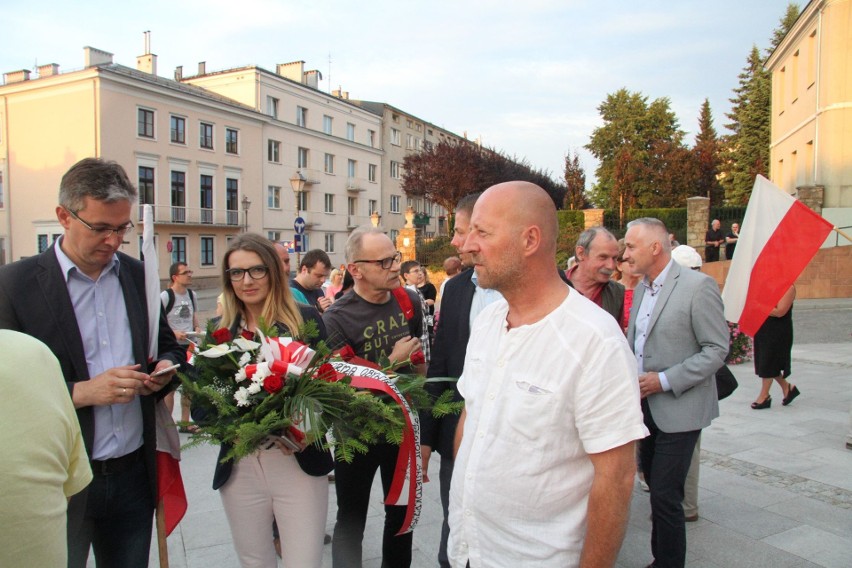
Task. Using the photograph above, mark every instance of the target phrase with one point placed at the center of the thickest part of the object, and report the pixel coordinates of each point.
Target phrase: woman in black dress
(773, 343)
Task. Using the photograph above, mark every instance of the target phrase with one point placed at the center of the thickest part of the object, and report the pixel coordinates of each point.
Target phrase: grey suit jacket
(687, 337)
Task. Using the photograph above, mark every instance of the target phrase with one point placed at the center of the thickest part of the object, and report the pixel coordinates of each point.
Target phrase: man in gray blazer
(678, 332)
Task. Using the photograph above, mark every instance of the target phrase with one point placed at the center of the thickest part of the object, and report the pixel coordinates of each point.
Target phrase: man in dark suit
(680, 338)
(448, 351)
(86, 302)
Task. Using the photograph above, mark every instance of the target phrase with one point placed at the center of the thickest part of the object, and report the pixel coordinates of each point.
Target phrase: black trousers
(118, 521)
(353, 482)
(665, 458)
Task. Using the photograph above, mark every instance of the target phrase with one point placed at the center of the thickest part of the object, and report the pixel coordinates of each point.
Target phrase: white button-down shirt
(643, 318)
(539, 398)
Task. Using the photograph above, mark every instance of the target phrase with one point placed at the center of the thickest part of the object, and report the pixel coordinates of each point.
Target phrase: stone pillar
(697, 222)
(406, 243)
(406, 240)
(593, 218)
(812, 196)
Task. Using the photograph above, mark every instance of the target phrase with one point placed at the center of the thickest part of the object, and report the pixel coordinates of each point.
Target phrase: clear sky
(525, 76)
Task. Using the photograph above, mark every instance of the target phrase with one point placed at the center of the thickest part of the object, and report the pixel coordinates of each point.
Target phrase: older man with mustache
(596, 253)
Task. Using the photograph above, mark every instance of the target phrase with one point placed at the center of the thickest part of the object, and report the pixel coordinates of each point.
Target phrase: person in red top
(596, 252)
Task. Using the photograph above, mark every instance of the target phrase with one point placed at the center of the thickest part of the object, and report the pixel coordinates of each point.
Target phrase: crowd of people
(572, 381)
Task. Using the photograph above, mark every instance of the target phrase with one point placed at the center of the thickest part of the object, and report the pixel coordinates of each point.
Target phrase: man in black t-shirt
(731, 241)
(371, 320)
(713, 239)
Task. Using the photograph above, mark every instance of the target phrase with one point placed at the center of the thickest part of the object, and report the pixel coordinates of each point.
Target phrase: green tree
(633, 137)
(575, 182)
(747, 147)
(707, 159)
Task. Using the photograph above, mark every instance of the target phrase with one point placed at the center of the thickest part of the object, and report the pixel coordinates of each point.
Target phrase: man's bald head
(525, 204)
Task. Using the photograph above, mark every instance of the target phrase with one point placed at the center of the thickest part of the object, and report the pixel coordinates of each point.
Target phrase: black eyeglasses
(105, 232)
(255, 272)
(385, 263)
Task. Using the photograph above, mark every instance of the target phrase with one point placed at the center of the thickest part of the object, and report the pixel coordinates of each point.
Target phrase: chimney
(48, 70)
(94, 56)
(179, 73)
(202, 68)
(16, 76)
(147, 63)
(312, 78)
(295, 71)
(340, 94)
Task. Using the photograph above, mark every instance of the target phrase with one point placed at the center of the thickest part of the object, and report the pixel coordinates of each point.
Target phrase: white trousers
(265, 484)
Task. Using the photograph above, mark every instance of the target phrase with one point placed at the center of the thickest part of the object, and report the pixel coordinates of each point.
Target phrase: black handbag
(726, 382)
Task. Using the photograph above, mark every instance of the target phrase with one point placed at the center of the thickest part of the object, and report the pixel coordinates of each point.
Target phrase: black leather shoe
(767, 402)
(792, 393)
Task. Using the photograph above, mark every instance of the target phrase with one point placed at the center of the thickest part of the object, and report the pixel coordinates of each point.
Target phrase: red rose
(222, 335)
(418, 358)
(327, 373)
(272, 384)
(346, 353)
(247, 334)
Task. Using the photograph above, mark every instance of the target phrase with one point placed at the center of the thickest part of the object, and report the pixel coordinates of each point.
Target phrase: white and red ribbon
(407, 486)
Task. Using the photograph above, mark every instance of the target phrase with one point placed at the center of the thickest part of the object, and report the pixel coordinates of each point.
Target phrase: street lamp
(246, 204)
(297, 182)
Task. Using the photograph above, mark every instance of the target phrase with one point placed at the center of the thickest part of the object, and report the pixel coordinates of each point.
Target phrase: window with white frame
(301, 116)
(146, 185)
(329, 163)
(409, 124)
(326, 123)
(272, 106)
(371, 172)
(205, 135)
(372, 207)
(273, 197)
(351, 168)
(178, 249)
(329, 242)
(394, 204)
(395, 170)
(207, 253)
(177, 128)
(353, 205)
(395, 118)
(329, 203)
(302, 158)
(302, 200)
(350, 132)
(395, 137)
(273, 151)
(409, 141)
(393, 235)
(274, 236)
(231, 141)
(145, 126)
(371, 138)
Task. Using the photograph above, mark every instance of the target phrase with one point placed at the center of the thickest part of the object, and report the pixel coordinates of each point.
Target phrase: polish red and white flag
(778, 238)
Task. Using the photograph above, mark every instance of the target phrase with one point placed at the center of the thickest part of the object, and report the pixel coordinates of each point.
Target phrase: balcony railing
(167, 214)
(355, 184)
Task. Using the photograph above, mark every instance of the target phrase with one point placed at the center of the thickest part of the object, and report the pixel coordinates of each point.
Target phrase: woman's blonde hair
(279, 307)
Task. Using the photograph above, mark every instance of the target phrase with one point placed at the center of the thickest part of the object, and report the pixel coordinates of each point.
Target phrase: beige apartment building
(812, 108)
(215, 154)
(404, 134)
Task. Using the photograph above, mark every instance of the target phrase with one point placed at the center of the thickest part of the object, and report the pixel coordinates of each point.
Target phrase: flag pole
(842, 234)
(152, 287)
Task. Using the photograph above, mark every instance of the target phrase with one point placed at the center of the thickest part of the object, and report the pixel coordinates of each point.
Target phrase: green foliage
(571, 224)
(643, 161)
(432, 252)
(747, 146)
(707, 157)
(575, 183)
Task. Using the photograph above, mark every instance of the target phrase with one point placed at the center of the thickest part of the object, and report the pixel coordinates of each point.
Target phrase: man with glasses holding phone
(86, 302)
(371, 320)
